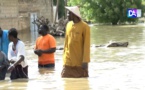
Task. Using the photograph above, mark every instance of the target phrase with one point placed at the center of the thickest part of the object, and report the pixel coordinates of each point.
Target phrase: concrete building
(21, 13)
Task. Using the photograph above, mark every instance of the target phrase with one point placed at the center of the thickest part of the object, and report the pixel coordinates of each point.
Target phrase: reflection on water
(116, 68)
(76, 84)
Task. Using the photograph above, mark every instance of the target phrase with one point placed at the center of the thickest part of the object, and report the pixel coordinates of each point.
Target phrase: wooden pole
(56, 11)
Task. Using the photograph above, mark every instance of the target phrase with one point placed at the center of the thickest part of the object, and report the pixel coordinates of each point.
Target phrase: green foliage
(107, 11)
(54, 2)
(61, 9)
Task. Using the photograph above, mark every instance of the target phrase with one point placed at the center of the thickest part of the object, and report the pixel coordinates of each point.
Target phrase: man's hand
(38, 52)
(85, 65)
(12, 61)
(11, 68)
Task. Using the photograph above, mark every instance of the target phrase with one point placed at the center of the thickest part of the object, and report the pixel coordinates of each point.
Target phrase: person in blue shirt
(4, 41)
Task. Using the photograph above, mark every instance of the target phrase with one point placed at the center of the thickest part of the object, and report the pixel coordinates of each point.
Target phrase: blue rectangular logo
(132, 13)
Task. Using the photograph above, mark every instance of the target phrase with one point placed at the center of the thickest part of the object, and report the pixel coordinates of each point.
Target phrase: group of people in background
(76, 55)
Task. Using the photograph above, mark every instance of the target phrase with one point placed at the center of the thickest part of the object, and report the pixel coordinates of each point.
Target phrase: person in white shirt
(16, 56)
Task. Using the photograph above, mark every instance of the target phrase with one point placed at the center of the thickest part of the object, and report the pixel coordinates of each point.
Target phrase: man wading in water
(77, 46)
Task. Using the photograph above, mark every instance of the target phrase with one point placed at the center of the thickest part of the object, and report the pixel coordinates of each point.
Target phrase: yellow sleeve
(69, 24)
(86, 54)
(66, 38)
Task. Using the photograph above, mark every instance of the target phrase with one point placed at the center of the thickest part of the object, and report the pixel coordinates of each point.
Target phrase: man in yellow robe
(77, 46)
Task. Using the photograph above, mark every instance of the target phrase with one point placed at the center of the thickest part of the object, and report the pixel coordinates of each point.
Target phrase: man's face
(41, 31)
(10, 38)
(70, 16)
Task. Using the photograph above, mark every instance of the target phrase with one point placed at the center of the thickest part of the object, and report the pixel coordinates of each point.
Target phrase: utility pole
(56, 11)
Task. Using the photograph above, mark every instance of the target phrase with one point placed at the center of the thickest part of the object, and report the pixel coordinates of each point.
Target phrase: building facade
(21, 13)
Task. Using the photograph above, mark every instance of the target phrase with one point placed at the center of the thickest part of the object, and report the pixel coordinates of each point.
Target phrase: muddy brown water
(116, 68)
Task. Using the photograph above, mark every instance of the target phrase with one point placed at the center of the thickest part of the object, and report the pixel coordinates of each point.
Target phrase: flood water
(115, 68)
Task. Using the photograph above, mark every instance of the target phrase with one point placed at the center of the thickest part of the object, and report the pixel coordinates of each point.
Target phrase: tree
(107, 11)
(61, 9)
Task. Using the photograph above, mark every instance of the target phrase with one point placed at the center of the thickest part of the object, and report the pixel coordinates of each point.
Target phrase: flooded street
(113, 68)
